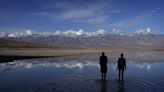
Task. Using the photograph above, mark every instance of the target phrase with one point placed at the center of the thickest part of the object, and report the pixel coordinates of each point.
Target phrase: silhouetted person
(121, 65)
(103, 65)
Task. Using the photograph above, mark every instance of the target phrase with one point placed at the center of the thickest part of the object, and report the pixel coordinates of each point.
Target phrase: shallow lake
(144, 73)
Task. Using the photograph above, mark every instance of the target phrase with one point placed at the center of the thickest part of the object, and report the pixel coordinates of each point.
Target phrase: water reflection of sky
(63, 74)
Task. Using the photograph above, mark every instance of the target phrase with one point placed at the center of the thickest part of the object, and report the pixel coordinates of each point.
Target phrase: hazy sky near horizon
(90, 15)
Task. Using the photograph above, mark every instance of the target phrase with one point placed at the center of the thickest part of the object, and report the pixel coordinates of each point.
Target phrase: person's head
(122, 55)
(103, 54)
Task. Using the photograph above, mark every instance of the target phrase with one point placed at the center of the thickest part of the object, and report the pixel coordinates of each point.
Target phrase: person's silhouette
(121, 65)
(103, 65)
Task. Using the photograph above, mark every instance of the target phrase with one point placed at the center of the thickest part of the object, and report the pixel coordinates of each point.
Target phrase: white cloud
(98, 19)
(77, 14)
(93, 14)
(89, 15)
(128, 22)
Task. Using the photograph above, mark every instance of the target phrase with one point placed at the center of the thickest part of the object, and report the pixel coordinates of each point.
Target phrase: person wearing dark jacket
(121, 65)
(103, 65)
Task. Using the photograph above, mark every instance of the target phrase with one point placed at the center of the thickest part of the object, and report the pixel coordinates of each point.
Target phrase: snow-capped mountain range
(98, 39)
(68, 33)
(73, 33)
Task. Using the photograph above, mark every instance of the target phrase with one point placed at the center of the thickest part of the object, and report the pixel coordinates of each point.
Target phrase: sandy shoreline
(51, 52)
(10, 54)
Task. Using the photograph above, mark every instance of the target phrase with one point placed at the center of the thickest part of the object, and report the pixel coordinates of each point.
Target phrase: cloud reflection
(140, 60)
(28, 64)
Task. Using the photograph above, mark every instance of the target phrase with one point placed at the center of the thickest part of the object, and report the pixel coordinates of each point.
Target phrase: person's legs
(122, 74)
(102, 76)
(119, 74)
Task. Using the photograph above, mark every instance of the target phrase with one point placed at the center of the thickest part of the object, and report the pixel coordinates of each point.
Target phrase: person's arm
(100, 61)
(106, 60)
(118, 64)
(125, 64)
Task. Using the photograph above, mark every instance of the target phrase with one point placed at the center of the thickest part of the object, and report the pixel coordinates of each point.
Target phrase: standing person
(103, 65)
(121, 65)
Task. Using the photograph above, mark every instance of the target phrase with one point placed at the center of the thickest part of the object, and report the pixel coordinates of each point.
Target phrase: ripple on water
(82, 84)
(138, 84)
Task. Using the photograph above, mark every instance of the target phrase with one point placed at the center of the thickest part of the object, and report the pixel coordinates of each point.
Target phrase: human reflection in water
(121, 86)
(103, 65)
(121, 65)
(103, 86)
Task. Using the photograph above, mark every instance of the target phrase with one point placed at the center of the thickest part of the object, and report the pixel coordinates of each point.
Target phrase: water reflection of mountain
(72, 64)
(69, 64)
(143, 60)
(143, 65)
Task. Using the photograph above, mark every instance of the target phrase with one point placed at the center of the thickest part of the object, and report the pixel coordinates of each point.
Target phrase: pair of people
(103, 65)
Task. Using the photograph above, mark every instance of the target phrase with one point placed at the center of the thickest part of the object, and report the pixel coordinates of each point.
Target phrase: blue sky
(90, 15)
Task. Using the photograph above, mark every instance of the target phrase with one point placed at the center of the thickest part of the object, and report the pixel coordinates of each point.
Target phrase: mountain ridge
(142, 38)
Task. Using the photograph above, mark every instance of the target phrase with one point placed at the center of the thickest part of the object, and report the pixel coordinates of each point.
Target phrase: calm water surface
(145, 73)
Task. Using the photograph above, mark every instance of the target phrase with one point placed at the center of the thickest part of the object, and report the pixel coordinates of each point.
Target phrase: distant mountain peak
(67, 33)
(117, 32)
(146, 31)
(76, 33)
(17, 34)
(96, 39)
(80, 32)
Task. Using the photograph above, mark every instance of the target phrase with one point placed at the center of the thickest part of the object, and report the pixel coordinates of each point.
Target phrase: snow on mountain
(117, 32)
(20, 34)
(2, 34)
(68, 33)
(74, 33)
(100, 32)
(143, 32)
(81, 32)
(96, 39)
